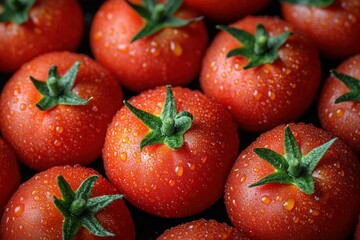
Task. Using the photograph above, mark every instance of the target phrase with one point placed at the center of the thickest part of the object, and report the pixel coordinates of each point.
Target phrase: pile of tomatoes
(172, 119)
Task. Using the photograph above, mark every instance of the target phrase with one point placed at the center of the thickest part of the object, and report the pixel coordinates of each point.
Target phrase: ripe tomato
(9, 174)
(171, 182)
(203, 229)
(342, 118)
(283, 211)
(32, 214)
(335, 29)
(264, 96)
(52, 25)
(226, 11)
(170, 56)
(63, 134)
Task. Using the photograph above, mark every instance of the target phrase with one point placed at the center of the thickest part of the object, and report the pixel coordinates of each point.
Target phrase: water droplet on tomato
(257, 95)
(289, 204)
(314, 212)
(256, 170)
(172, 183)
(22, 107)
(123, 156)
(122, 48)
(342, 173)
(242, 179)
(176, 48)
(59, 129)
(271, 95)
(295, 219)
(203, 160)
(125, 140)
(191, 166)
(279, 198)
(266, 200)
(339, 112)
(179, 170)
(19, 209)
(57, 143)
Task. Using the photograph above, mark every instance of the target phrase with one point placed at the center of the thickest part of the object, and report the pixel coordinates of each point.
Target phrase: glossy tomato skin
(172, 183)
(203, 229)
(9, 174)
(283, 211)
(64, 134)
(31, 213)
(342, 119)
(53, 25)
(227, 11)
(335, 30)
(263, 97)
(171, 56)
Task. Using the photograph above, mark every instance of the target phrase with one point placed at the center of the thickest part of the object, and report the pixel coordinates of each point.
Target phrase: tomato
(335, 29)
(9, 175)
(263, 96)
(342, 118)
(48, 28)
(169, 56)
(32, 214)
(309, 201)
(179, 174)
(202, 229)
(64, 134)
(227, 11)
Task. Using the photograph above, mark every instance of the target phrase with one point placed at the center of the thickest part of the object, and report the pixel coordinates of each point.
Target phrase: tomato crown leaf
(315, 3)
(352, 83)
(58, 90)
(16, 11)
(169, 128)
(259, 49)
(292, 167)
(159, 16)
(79, 209)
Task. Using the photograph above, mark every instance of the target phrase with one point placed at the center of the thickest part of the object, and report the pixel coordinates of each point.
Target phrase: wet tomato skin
(227, 11)
(203, 229)
(335, 30)
(49, 28)
(282, 211)
(9, 174)
(31, 213)
(64, 134)
(165, 182)
(342, 119)
(171, 56)
(262, 97)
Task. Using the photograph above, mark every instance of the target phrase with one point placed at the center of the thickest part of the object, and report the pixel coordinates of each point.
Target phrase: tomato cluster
(180, 119)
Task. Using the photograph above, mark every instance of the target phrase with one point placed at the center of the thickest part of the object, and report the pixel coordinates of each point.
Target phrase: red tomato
(171, 56)
(335, 29)
(52, 25)
(265, 96)
(282, 211)
(343, 118)
(9, 174)
(203, 229)
(32, 214)
(64, 134)
(227, 11)
(166, 182)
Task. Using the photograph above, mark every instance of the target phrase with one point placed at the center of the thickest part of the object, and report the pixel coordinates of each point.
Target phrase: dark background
(147, 226)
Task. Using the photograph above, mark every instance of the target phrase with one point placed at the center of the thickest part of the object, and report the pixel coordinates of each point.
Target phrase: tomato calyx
(292, 167)
(58, 90)
(352, 83)
(259, 48)
(159, 16)
(16, 11)
(169, 128)
(79, 209)
(314, 3)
